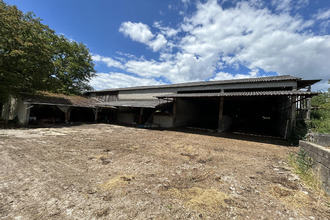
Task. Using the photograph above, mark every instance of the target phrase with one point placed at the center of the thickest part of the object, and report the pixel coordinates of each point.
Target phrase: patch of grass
(302, 165)
(290, 197)
(118, 181)
(201, 199)
(102, 156)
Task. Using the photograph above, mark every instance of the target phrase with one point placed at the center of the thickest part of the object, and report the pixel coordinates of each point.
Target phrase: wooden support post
(67, 112)
(292, 124)
(141, 115)
(309, 104)
(27, 117)
(220, 121)
(309, 107)
(96, 112)
(67, 115)
(175, 102)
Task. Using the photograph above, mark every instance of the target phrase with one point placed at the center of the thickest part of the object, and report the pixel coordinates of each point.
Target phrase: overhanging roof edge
(239, 94)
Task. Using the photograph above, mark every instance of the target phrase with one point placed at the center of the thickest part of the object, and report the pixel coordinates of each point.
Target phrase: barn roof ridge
(205, 83)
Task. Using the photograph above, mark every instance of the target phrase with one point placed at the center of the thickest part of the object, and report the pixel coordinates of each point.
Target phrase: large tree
(33, 58)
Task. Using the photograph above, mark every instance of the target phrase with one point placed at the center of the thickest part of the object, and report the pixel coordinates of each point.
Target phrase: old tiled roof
(238, 94)
(134, 103)
(205, 83)
(47, 98)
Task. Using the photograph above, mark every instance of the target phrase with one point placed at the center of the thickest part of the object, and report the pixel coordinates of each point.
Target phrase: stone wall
(321, 161)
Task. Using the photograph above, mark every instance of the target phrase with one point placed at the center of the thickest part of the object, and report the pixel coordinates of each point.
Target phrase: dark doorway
(1, 108)
(256, 115)
(253, 115)
(82, 115)
(46, 114)
(107, 115)
(208, 113)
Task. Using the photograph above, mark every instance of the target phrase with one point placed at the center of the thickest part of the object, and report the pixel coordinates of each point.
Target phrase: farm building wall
(15, 108)
(163, 121)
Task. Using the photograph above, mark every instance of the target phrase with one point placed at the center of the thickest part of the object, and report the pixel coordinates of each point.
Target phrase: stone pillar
(220, 119)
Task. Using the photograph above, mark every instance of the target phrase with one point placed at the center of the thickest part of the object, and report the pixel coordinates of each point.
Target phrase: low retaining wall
(320, 139)
(321, 159)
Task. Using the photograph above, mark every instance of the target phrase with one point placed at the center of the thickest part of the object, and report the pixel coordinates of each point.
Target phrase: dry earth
(105, 171)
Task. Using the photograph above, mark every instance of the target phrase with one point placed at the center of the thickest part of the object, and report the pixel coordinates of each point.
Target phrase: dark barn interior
(255, 115)
(107, 115)
(46, 114)
(82, 115)
(207, 113)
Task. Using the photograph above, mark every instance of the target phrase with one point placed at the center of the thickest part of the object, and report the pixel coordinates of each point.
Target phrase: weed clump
(290, 197)
(302, 165)
(201, 199)
(118, 181)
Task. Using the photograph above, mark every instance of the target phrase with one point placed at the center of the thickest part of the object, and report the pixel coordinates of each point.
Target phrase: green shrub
(320, 115)
(299, 132)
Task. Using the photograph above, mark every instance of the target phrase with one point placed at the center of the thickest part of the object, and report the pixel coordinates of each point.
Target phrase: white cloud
(228, 76)
(136, 31)
(246, 35)
(323, 15)
(119, 80)
(108, 61)
(282, 5)
(141, 33)
(167, 31)
(185, 1)
(288, 5)
(158, 43)
(256, 38)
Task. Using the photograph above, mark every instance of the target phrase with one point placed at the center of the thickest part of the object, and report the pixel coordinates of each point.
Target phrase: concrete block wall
(321, 161)
(320, 139)
(163, 121)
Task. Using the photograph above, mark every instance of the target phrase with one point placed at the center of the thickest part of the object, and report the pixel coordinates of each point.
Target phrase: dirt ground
(103, 171)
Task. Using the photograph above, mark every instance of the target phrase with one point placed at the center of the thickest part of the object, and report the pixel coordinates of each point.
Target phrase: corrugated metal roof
(134, 103)
(205, 83)
(304, 83)
(238, 94)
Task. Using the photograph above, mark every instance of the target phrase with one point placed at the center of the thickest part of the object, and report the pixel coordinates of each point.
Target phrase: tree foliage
(320, 115)
(33, 58)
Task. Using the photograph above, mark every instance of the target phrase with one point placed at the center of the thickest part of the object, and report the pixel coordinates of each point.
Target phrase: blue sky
(152, 42)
